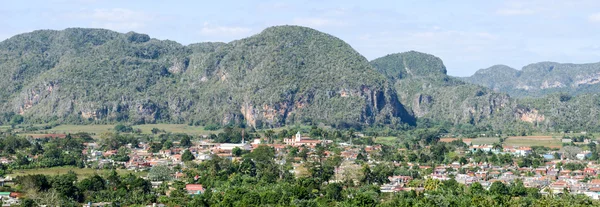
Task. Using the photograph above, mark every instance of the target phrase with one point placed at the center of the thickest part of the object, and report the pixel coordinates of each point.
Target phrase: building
(298, 140)
(194, 189)
(583, 155)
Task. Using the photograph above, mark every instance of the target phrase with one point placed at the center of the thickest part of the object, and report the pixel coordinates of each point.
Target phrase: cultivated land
(546, 141)
(81, 172)
(528, 141)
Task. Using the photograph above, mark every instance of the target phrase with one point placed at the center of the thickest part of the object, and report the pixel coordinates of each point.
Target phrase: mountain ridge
(540, 79)
(285, 74)
(280, 76)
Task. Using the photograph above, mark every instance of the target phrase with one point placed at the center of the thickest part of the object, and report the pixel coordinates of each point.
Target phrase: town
(182, 163)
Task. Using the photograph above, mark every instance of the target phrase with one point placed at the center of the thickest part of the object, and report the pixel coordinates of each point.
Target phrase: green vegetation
(81, 172)
(540, 79)
(285, 74)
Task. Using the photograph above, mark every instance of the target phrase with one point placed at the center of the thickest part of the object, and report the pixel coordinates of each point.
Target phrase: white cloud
(319, 22)
(594, 17)
(224, 31)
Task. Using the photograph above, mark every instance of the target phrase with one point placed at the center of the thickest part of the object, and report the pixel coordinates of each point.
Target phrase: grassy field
(386, 140)
(81, 173)
(547, 141)
(146, 129)
(175, 128)
(484, 140)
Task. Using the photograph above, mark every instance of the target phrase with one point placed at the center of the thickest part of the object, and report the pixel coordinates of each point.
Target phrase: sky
(466, 35)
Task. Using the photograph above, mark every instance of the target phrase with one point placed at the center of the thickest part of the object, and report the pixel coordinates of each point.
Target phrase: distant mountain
(428, 92)
(285, 74)
(539, 79)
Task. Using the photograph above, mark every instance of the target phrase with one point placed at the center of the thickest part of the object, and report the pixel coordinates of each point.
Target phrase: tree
(167, 145)
(518, 189)
(498, 188)
(333, 191)
(64, 185)
(367, 176)
(432, 184)
(94, 183)
(269, 134)
(187, 156)
(236, 151)
(186, 141)
(476, 188)
(155, 130)
(159, 173)
(16, 120)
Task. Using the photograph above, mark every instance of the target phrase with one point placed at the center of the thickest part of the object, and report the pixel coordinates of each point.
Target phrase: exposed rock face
(179, 65)
(530, 115)
(587, 80)
(551, 84)
(33, 96)
(421, 104)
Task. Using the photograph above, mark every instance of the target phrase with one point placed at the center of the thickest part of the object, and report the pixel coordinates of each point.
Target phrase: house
(583, 155)
(523, 151)
(194, 189)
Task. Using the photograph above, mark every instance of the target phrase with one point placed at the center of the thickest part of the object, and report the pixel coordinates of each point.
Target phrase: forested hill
(540, 79)
(429, 93)
(285, 74)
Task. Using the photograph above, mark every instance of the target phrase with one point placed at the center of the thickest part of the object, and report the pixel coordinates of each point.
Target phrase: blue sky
(467, 35)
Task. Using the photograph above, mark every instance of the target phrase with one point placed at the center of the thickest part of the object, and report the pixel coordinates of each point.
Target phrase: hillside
(539, 79)
(420, 80)
(285, 74)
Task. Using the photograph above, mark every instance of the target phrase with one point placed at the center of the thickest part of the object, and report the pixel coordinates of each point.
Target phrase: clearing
(81, 172)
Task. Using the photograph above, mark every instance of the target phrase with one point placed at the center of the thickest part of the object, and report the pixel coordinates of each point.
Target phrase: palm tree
(497, 146)
(269, 134)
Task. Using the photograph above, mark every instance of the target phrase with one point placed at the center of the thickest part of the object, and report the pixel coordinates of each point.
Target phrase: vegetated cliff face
(285, 74)
(421, 82)
(539, 79)
(291, 74)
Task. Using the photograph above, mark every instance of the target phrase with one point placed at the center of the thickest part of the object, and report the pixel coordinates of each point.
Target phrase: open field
(175, 128)
(146, 129)
(547, 141)
(484, 140)
(450, 139)
(386, 140)
(539, 140)
(81, 172)
(92, 129)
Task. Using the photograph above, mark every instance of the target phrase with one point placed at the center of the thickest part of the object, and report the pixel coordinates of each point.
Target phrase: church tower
(298, 137)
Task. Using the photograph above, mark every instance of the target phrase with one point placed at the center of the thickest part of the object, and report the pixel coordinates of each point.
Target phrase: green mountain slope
(285, 74)
(421, 81)
(539, 79)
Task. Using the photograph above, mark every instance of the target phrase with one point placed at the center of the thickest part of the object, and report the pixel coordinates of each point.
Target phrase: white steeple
(298, 136)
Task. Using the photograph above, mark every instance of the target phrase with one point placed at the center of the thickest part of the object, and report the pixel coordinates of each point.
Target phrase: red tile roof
(194, 187)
